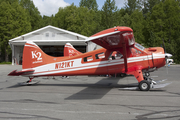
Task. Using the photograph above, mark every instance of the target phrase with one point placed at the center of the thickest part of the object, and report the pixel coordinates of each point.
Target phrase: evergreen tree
(172, 26)
(132, 5)
(90, 4)
(137, 20)
(109, 14)
(126, 20)
(148, 5)
(158, 25)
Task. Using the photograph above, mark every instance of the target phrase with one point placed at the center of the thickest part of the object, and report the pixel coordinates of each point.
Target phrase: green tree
(9, 1)
(109, 14)
(120, 17)
(90, 4)
(172, 26)
(162, 26)
(158, 24)
(13, 22)
(46, 20)
(81, 20)
(132, 5)
(137, 25)
(148, 5)
(126, 20)
(32, 13)
(59, 19)
(77, 19)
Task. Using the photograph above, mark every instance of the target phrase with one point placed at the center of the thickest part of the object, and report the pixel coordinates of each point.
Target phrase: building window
(47, 34)
(53, 34)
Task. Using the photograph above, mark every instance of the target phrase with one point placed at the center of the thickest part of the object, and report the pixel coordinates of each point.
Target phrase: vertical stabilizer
(70, 51)
(33, 56)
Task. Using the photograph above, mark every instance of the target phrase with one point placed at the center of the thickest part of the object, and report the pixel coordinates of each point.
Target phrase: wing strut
(125, 55)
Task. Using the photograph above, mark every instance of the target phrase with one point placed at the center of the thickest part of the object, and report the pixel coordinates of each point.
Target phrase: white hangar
(51, 40)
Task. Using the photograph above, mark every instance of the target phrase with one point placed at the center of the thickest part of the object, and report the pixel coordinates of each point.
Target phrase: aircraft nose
(168, 55)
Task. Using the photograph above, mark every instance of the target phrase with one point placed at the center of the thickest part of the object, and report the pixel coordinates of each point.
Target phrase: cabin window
(115, 55)
(87, 59)
(100, 55)
(135, 51)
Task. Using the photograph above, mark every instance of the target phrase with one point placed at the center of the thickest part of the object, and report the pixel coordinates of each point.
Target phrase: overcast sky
(49, 7)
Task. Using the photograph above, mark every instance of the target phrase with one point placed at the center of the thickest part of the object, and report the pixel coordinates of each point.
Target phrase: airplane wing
(115, 38)
(17, 73)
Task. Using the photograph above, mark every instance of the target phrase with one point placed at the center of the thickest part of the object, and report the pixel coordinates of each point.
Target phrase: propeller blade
(168, 55)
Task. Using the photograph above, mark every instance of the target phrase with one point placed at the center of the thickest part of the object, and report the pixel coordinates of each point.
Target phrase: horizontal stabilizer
(17, 73)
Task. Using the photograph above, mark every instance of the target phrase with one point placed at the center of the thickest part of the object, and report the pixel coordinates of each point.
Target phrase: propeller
(167, 56)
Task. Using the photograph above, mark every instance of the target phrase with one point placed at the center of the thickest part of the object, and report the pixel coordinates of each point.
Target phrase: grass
(5, 63)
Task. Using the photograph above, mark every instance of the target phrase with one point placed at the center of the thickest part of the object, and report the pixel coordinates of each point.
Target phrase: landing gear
(144, 85)
(147, 83)
(30, 82)
(30, 79)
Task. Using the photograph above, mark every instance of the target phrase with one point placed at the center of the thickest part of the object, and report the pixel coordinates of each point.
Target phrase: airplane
(119, 54)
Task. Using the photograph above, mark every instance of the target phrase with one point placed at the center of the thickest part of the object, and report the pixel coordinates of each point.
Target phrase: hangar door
(58, 51)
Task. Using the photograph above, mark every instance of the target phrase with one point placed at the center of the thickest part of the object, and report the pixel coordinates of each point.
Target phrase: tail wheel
(144, 85)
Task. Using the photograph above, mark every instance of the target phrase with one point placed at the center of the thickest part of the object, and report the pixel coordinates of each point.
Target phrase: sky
(49, 7)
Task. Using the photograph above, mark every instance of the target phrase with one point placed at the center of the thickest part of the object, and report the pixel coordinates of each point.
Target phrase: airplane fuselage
(90, 64)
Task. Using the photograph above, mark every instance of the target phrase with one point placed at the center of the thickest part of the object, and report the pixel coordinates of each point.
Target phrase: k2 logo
(37, 55)
(71, 51)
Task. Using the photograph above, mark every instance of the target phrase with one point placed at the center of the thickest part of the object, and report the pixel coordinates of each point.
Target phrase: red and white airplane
(120, 54)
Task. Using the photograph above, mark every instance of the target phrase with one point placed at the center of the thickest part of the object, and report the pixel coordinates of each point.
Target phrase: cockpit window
(134, 51)
(139, 46)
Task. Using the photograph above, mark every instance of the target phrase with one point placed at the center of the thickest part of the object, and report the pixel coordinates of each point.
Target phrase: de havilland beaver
(119, 54)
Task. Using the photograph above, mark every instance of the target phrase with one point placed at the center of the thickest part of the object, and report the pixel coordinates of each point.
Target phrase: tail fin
(70, 51)
(33, 56)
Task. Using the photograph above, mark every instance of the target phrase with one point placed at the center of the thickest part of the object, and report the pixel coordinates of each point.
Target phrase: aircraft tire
(144, 85)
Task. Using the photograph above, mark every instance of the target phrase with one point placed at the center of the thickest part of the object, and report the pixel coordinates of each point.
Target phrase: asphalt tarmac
(88, 98)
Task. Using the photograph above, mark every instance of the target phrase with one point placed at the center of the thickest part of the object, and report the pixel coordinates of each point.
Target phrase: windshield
(139, 46)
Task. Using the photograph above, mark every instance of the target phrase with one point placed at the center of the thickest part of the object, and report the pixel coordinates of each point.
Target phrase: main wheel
(144, 85)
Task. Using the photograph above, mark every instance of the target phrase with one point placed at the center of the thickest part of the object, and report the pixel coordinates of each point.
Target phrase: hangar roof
(50, 35)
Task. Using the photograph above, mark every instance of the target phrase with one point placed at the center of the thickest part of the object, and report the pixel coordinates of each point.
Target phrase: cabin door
(115, 63)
